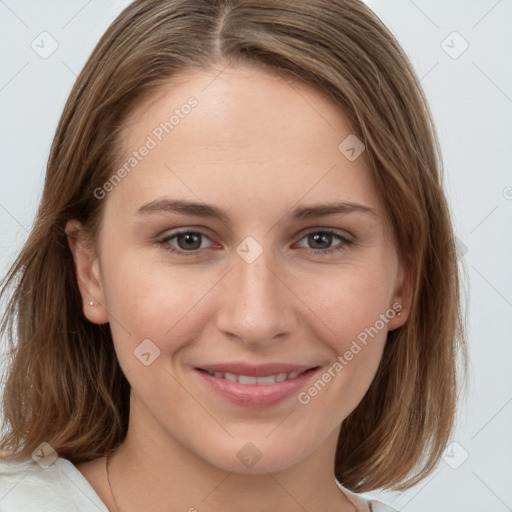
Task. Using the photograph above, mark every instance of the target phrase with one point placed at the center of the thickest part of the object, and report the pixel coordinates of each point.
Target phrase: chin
(257, 455)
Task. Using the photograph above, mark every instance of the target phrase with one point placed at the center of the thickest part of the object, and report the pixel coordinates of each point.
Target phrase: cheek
(154, 301)
(153, 317)
(353, 309)
(351, 301)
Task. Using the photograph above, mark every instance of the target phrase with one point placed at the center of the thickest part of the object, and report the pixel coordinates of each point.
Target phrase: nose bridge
(256, 307)
(257, 278)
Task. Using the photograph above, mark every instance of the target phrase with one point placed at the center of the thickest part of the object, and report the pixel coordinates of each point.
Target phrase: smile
(255, 386)
(250, 380)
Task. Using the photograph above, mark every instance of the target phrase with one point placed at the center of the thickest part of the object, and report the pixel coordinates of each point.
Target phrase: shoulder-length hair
(64, 384)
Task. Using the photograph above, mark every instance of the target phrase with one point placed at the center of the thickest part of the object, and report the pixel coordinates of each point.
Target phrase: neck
(152, 471)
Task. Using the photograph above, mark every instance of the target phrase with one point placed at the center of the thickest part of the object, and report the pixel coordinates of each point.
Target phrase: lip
(255, 395)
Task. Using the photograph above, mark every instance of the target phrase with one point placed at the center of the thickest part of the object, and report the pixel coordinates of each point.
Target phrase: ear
(402, 299)
(87, 272)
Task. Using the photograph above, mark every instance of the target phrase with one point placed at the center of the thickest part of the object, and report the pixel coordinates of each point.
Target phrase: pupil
(320, 241)
(191, 241)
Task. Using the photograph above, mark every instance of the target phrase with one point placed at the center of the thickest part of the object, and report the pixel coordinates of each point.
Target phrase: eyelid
(179, 231)
(344, 237)
(343, 234)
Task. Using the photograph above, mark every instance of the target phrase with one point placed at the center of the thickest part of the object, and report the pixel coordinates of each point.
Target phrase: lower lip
(256, 395)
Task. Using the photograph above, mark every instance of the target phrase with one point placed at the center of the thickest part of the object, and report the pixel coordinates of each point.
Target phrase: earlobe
(402, 299)
(87, 272)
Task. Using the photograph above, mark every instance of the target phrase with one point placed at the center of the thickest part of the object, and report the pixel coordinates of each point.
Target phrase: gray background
(470, 93)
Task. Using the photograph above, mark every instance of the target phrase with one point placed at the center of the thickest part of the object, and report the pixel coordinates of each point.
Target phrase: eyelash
(164, 243)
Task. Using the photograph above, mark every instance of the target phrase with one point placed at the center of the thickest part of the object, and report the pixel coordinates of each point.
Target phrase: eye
(190, 243)
(184, 242)
(320, 242)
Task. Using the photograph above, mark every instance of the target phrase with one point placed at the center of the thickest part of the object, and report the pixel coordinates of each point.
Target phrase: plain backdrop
(462, 51)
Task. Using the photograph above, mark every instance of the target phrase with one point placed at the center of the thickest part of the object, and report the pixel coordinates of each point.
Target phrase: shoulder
(365, 505)
(377, 506)
(60, 487)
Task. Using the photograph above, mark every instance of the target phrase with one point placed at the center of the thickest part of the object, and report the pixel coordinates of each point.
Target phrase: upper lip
(250, 370)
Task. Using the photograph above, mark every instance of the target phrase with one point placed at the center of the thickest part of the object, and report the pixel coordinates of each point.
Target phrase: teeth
(271, 379)
(244, 379)
(251, 380)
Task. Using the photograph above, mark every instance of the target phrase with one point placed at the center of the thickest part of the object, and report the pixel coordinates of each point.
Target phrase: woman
(241, 288)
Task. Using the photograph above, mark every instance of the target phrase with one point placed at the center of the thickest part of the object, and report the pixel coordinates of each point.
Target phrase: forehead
(240, 131)
(234, 92)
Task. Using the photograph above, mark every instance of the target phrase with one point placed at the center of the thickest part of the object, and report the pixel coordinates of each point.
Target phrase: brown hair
(64, 383)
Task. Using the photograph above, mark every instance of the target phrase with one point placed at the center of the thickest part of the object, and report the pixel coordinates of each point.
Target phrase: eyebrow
(184, 207)
(211, 211)
(333, 208)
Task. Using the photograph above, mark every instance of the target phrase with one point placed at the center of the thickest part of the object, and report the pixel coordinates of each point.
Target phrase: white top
(25, 486)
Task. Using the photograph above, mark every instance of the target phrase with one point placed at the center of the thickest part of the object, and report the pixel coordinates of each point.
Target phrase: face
(246, 269)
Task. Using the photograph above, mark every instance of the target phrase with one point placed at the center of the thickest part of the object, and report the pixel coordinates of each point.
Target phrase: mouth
(256, 386)
(251, 380)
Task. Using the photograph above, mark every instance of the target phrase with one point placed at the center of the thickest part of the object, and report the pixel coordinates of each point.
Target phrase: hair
(64, 384)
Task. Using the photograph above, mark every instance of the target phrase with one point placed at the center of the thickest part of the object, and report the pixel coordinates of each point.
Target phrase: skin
(256, 146)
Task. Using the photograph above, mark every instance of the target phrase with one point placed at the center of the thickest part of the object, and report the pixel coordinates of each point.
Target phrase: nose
(255, 304)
